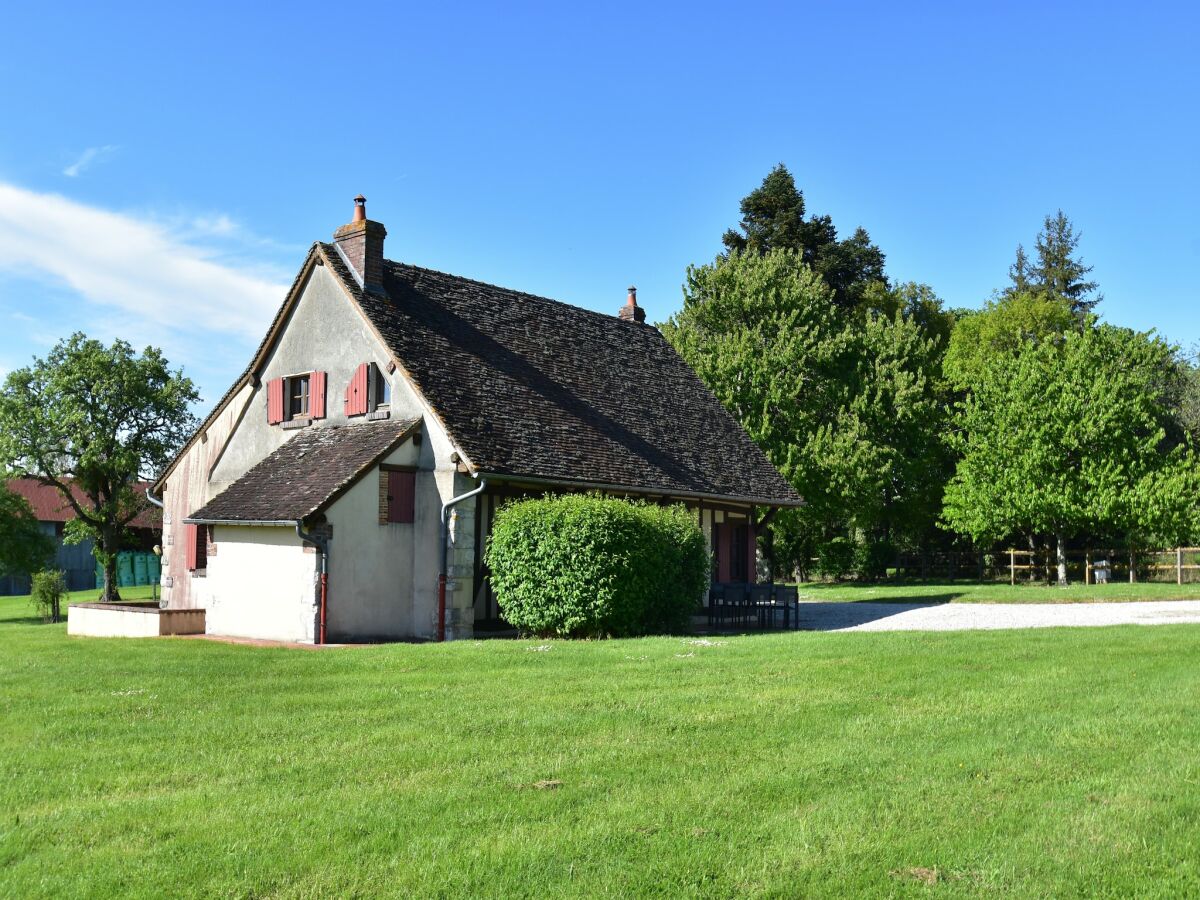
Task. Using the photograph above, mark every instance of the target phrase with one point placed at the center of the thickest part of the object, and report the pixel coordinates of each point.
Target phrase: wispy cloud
(89, 156)
(132, 265)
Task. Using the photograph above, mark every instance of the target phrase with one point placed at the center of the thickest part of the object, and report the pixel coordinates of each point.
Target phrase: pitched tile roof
(305, 474)
(50, 506)
(532, 387)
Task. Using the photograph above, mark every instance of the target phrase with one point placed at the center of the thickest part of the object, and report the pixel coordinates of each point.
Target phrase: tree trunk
(1062, 560)
(110, 544)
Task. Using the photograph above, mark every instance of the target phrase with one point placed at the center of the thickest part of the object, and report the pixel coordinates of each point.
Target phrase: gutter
(624, 488)
(323, 548)
(445, 536)
(281, 523)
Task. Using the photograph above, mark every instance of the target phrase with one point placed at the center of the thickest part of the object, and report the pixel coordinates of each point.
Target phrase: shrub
(835, 558)
(591, 566)
(872, 559)
(47, 592)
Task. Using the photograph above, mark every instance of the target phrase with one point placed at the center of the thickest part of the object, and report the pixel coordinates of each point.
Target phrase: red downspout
(324, 602)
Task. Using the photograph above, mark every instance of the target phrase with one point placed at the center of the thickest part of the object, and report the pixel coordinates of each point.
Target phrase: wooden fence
(1039, 565)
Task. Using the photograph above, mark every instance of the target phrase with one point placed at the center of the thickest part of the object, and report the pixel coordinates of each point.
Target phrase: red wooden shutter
(189, 550)
(356, 393)
(274, 401)
(401, 497)
(316, 395)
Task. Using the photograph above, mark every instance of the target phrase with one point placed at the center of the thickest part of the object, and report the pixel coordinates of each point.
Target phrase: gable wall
(326, 333)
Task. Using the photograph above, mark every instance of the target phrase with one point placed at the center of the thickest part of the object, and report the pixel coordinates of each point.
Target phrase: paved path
(817, 616)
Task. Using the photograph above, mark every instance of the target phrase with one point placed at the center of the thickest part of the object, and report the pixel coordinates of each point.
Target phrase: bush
(47, 592)
(872, 559)
(835, 558)
(590, 566)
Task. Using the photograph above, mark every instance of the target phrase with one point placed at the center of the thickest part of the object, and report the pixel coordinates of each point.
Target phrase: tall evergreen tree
(1019, 274)
(773, 218)
(1058, 271)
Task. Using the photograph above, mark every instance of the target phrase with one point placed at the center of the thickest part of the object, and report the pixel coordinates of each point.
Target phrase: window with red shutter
(401, 497)
(275, 401)
(316, 399)
(196, 550)
(357, 392)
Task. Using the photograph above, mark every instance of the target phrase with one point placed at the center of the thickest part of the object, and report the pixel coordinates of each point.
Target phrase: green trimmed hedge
(591, 566)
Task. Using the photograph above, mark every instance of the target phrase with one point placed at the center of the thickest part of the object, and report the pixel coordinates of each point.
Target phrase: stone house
(344, 486)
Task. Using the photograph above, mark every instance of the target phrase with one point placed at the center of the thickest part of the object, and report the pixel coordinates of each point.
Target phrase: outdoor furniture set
(743, 605)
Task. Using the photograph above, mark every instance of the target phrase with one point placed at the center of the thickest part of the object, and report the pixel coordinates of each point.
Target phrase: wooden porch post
(1012, 567)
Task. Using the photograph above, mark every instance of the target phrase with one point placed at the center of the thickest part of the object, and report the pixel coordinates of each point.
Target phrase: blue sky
(164, 168)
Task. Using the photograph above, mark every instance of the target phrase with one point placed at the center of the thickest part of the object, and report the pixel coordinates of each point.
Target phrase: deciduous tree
(24, 547)
(95, 417)
(1071, 437)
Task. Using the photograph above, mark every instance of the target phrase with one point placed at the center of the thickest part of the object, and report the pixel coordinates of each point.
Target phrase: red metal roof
(50, 506)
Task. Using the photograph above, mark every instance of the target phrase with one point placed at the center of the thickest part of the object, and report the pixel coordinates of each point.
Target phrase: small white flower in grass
(705, 642)
(540, 648)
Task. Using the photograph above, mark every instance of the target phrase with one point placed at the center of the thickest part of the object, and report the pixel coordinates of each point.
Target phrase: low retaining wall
(131, 620)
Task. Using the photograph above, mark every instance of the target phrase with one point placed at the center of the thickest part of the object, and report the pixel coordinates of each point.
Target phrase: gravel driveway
(816, 616)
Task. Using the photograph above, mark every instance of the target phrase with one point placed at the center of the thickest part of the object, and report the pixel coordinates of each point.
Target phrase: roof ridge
(514, 291)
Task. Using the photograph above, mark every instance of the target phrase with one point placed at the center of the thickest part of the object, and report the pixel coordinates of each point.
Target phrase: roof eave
(643, 491)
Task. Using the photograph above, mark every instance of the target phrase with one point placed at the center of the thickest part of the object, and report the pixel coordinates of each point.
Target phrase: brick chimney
(361, 243)
(631, 312)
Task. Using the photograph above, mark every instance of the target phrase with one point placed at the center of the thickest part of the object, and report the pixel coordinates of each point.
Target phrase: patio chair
(759, 601)
(787, 599)
(736, 603)
(716, 604)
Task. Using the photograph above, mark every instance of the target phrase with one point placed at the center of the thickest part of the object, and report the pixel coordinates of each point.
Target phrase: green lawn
(969, 592)
(1040, 763)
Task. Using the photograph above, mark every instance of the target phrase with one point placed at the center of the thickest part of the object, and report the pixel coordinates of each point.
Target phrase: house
(344, 486)
(76, 560)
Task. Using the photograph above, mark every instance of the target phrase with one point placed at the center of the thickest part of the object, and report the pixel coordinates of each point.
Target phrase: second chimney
(631, 312)
(361, 243)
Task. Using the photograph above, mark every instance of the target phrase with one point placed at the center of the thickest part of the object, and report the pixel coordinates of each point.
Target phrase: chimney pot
(631, 312)
(360, 208)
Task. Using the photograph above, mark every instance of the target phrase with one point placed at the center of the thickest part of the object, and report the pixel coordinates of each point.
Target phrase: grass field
(969, 592)
(1048, 763)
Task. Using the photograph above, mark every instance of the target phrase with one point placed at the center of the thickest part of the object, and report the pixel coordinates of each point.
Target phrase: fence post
(1012, 567)
(1179, 565)
(1087, 566)
(1132, 568)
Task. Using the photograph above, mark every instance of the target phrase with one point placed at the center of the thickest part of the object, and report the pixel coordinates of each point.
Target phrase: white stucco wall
(371, 565)
(262, 584)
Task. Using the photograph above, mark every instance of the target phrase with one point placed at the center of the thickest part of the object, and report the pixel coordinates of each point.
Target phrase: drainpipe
(323, 549)
(157, 502)
(445, 533)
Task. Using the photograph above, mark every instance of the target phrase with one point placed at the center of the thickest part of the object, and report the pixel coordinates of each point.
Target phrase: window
(397, 496)
(196, 550)
(381, 388)
(296, 397)
(297, 394)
